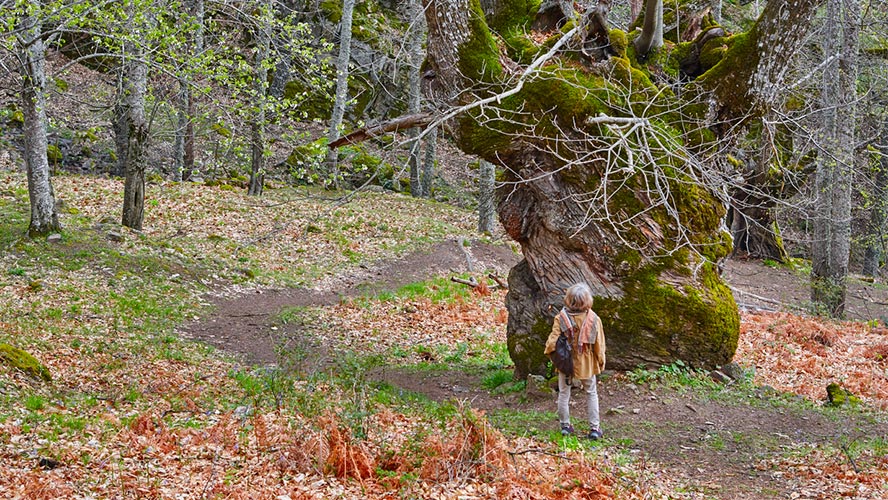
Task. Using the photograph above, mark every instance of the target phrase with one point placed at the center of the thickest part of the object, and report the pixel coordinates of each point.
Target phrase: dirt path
(717, 445)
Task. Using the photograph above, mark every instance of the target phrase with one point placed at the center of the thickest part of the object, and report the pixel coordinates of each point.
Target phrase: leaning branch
(403, 122)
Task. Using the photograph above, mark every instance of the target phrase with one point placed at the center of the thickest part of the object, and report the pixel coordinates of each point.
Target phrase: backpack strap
(566, 322)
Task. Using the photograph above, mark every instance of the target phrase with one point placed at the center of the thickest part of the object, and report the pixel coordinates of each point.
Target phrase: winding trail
(720, 445)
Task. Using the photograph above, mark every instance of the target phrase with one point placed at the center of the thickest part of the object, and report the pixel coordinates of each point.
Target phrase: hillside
(377, 375)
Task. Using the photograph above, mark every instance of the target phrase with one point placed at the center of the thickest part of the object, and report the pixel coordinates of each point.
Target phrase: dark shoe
(567, 429)
(595, 434)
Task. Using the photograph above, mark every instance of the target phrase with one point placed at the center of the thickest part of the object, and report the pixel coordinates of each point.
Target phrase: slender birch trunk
(135, 84)
(44, 219)
(428, 163)
(345, 25)
(414, 93)
(257, 127)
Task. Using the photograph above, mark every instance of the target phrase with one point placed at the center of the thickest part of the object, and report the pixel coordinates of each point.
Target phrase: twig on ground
(540, 451)
(499, 281)
(850, 458)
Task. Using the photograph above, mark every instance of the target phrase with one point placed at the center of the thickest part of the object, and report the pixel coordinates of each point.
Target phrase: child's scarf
(588, 331)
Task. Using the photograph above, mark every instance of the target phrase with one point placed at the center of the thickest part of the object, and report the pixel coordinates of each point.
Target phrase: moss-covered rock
(836, 396)
(21, 360)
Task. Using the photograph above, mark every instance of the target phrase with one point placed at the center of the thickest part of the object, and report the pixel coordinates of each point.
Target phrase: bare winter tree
(835, 167)
(31, 54)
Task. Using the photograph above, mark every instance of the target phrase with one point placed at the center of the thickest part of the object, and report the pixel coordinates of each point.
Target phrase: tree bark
(260, 89)
(428, 162)
(753, 227)
(749, 78)
(416, 21)
(831, 242)
(877, 229)
(486, 205)
(651, 37)
(135, 83)
(44, 219)
(345, 26)
(184, 140)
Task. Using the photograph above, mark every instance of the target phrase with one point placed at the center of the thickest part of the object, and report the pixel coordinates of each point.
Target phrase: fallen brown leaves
(803, 355)
(137, 423)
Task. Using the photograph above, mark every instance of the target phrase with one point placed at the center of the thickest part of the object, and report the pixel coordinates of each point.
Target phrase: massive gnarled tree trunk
(602, 180)
(32, 52)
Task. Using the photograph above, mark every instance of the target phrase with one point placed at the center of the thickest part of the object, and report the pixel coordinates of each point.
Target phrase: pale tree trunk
(877, 229)
(832, 218)
(651, 37)
(184, 141)
(135, 84)
(44, 219)
(257, 126)
(414, 94)
(717, 11)
(345, 28)
(486, 205)
(428, 162)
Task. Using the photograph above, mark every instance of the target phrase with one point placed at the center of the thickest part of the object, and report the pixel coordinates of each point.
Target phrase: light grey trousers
(590, 387)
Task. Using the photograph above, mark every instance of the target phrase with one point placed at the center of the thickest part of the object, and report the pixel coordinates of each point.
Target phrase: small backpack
(562, 356)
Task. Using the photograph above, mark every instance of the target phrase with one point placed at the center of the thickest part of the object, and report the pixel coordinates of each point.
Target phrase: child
(588, 355)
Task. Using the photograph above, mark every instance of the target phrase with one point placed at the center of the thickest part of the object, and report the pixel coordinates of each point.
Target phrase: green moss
(53, 154)
(699, 325)
(332, 9)
(674, 58)
(23, 361)
(479, 55)
(619, 41)
(741, 52)
(316, 105)
(836, 396)
(520, 47)
(713, 52)
(514, 15)
(527, 351)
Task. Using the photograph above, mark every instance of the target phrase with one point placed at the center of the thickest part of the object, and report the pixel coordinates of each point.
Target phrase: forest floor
(719, 443)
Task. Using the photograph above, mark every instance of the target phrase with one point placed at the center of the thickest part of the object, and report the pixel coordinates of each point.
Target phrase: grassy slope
(134, 411)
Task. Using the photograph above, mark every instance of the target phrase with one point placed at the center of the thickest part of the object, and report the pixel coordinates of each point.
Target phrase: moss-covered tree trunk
(602, 184)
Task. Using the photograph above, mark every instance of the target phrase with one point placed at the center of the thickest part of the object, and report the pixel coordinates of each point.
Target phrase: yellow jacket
(591, 361)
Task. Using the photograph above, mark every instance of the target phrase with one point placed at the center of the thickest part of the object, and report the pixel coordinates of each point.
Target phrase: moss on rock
(21, 360)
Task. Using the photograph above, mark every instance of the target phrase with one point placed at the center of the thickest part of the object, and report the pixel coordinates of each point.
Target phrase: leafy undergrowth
(134, 411)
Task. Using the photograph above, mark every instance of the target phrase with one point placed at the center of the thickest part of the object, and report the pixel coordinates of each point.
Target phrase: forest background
(162, 160)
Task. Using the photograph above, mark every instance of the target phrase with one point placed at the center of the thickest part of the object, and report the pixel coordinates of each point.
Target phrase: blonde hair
(578, 297)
